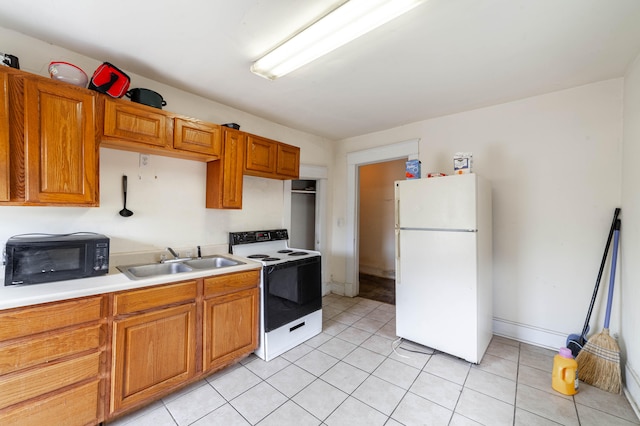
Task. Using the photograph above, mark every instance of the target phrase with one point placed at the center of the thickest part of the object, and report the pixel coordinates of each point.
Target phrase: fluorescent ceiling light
(348, 22)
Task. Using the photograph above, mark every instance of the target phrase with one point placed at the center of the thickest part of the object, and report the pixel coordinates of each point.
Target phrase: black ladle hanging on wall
(125, 212)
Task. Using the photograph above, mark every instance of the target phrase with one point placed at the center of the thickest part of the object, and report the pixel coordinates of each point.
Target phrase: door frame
(407, 149)
(320, 175)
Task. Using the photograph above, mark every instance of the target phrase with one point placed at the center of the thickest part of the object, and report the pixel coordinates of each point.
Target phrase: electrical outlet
(144, 160)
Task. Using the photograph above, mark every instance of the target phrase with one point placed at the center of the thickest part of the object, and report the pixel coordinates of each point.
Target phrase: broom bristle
(599, 363)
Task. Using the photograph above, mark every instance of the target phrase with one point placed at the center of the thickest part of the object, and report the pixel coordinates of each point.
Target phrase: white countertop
(25, 295)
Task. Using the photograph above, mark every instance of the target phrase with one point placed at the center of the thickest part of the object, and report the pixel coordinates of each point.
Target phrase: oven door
(291, 290)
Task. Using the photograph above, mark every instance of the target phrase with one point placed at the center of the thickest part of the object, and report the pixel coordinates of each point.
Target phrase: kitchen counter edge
(28, 295)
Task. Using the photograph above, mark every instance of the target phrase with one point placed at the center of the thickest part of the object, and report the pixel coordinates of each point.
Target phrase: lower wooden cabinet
(230, 327)
(83, 361)
(153, 352)
(170, 335)
(51, 364)
(231, 321)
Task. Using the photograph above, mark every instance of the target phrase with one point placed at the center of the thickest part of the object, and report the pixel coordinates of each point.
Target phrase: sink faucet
(176, 257)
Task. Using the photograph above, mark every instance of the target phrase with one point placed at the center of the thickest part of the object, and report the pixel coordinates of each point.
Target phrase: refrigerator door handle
(398, 280)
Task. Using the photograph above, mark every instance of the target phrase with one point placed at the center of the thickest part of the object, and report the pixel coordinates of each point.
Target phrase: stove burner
(270, 259)
(298, 253)
(258, 256)
(285, 251)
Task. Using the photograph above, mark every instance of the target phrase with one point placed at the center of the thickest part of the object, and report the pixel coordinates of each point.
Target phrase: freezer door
(436, 300)
(440, 203)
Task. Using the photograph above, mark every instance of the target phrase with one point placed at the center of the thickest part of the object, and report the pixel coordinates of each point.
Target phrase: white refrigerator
(444, 284)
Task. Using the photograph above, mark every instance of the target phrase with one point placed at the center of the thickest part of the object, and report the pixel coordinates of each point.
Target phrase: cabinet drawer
(23, 386)
(78, 406)
(148, 298)
(26, 321)
(48, 347)
(232, 282)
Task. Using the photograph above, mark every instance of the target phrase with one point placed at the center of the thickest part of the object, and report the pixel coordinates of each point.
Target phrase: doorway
(401, 150)
(305, 213)
(376, 257)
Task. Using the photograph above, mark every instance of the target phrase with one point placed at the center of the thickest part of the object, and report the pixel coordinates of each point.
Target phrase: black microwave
(41, 258)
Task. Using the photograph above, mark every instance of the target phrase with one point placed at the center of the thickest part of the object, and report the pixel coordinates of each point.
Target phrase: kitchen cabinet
(53, 154)
(231, 321)
(271, 159)
(288, 161)
(88, 360)
(129, 125)
(154, 342)
(4, 137)
(136, 127)
(50, 363)
(224, 176)
(197, 136)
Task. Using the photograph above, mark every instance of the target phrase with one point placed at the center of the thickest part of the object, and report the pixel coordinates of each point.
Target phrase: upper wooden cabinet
(224, 176)
(4, 138)
(127, 125)
(261, 156)
(53, 154)
(288, 162)
(136, 127)
(198, 136)
(271, 159)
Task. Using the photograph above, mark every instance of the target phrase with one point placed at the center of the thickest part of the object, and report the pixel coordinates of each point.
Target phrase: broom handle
(604, 260)
(612, 278)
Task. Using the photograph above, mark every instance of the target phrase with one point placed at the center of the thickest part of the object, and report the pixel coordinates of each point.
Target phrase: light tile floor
(350, 375)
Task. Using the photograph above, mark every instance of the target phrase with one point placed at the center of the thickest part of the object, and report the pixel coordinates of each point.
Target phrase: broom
(599, 360)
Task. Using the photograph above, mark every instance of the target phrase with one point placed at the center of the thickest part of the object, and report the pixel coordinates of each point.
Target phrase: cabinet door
(230, 327)
(62, 153)
(197, 136)
(135, 123)
(4, 137)
(261, 155)
(153, 352)
(288, 163)
(224, 176)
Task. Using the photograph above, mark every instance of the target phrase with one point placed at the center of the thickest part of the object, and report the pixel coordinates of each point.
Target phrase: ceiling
(443, 57)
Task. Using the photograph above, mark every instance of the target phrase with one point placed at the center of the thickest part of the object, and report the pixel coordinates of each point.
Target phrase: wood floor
(378, 288)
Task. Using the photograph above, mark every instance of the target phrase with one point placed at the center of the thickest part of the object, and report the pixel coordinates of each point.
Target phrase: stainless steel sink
(212, 262)
(138, 272)
(154, 269)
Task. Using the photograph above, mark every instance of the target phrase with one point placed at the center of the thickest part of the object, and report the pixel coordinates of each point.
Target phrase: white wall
(630, 233)
(377, 237)
(169, 197)
(554, 164)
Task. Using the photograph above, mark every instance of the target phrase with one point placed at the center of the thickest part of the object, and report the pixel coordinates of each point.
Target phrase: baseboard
(553, 340)
(376, 272)
(528, 334)
(632, 387)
